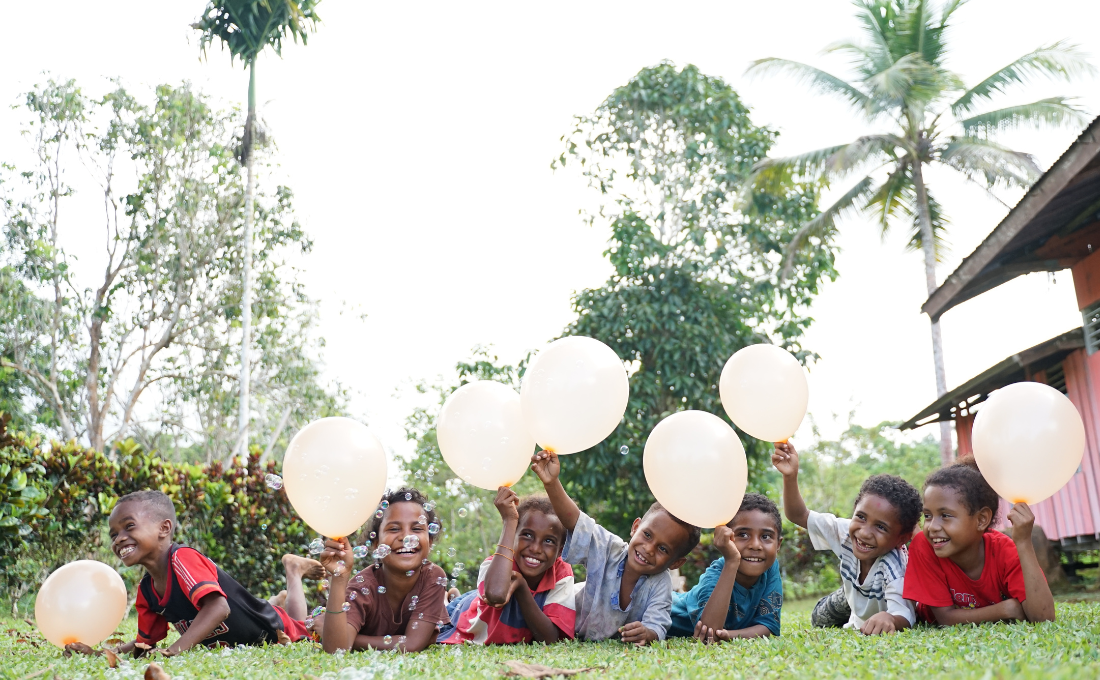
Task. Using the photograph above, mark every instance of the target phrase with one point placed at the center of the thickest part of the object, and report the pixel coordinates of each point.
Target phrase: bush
(54, 504)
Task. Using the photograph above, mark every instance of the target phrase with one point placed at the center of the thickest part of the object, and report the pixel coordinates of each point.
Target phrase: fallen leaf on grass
(114, 642)
(142, 645)
(112, 658)
(534, 670)
(80, 647)
(154, 672)
(29, 622)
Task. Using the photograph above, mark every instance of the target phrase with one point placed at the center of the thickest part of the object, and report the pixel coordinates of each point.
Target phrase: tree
(130, 354)
(931, 117)
(247, 28)
(696, 264)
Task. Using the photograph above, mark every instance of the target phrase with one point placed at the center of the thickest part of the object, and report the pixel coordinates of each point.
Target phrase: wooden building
(1055, 226)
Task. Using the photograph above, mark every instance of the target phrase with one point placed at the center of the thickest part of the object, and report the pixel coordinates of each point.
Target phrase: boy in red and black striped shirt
(183, 587)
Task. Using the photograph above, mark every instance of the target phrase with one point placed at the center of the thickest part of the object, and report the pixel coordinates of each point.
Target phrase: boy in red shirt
(183, 587)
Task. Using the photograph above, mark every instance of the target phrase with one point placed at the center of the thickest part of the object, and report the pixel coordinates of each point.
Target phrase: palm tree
(246, 28)
(928, 116)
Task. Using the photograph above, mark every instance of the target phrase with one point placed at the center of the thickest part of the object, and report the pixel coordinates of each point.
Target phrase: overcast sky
(418, 139)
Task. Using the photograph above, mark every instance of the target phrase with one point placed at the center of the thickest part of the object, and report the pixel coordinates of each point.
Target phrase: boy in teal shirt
(741, 593)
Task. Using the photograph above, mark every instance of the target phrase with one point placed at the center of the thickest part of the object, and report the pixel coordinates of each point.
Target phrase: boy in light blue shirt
(741, 593)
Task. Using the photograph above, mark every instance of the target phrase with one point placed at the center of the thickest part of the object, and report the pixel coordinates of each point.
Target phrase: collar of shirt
(615, 593)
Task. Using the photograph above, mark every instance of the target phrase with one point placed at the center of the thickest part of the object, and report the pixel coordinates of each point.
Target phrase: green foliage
(1066, 648)
(227, 513)
(696, 275)
(246, 27)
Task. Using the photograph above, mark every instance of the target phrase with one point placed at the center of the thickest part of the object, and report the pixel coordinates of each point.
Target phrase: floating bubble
(352, 595)
(433, 528)
(624, 449)
(365, 591)
(359, 552)
(347, 606)
(264, 527)
(454, 583)
(274, 482)
(462, 512)
(410, 572)
(309, 622)
(350, 493)
(358, 579)
(381, 590)
(413, 600)
(378, 515)
(373, 535)
(411, 542)
(420, 615)
(429, 506)
(412, 626)
(460, 566)
(381, 551)
(324, 583)
(408, 496)
(317, 611)
(422, 519)
(316, 546)
(384, 505)
(401, 639)
(451, 552)
(387, 640)
(338, 570)
(424, 561)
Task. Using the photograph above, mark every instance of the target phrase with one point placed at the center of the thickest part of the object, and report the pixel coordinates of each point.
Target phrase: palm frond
(825, 223)
(894, 198)
(834, 161)
(1058, 60)
(817, 79)
(993, 163)
(908, 81)
(940, 224)
(1050, 112)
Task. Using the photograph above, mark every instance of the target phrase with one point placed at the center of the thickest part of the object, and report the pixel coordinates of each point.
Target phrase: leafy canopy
(246, 27)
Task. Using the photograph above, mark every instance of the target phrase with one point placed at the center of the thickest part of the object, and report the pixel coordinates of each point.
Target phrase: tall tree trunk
(246, 294)
(947, 451)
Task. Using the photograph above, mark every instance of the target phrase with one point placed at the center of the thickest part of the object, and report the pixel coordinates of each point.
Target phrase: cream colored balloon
(695, 466)
(574, 394)
(334, 473)
(1028, 441)
(764, 391)
(83, 601)
(482, 436)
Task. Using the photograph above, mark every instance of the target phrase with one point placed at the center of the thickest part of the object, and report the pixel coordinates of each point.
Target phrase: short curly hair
(156, 503)
(693, 532)
(540, 503)
(758, 501)
(965, 478)
(897, 492)
(405, 494)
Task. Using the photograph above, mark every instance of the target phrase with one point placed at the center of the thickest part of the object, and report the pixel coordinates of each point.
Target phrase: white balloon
(574, 394)
(482, 436)
(82, 601)
(695, 466)
(1028, 441)
(764, 391)
(334, 473)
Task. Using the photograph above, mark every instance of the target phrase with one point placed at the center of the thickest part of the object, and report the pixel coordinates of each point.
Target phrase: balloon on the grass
(83, 601)
(482, 436)
(764, 391)
(695, 466)
(334, 472)
(574, 394)
(1028, 441)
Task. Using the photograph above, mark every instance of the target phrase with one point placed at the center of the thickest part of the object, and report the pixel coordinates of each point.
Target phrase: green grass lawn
(1069, 647)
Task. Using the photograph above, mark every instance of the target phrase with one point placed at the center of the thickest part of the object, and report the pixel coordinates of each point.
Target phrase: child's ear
(166, 528)
(678, 563)
(985, 518)
(634, 526)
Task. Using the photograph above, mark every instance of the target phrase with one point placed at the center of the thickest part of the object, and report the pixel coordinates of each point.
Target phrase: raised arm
(213, 609)
(498, 579)
(785, 459)
(547, 467)
(337, 633)
(1039, 605)
(713, 617)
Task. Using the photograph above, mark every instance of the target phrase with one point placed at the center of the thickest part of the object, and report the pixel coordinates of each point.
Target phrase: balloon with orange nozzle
(765, 392)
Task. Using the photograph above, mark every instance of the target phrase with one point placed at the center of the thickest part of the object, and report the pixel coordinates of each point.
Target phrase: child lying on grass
(870, 547)
(184, 588)
(397, 603)
(628, 591)
(741, 593)
(524, 590)
(963, 571)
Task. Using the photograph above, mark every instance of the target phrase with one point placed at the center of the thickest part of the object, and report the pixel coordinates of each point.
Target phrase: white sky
(418, 139)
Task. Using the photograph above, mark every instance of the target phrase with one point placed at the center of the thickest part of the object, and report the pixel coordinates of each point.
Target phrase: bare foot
(303, 567)
(278, 600)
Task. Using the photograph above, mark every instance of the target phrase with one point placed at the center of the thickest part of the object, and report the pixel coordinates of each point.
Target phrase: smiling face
(654, 541)
(539, 539)
(403, 519)
(875, 528)
(757, 540)
(137, 535)
(949, 525)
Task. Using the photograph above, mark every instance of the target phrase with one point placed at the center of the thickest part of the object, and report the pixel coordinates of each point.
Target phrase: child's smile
(875, 528)
(403, 520)
(757, 540)
(538, 541)
(653, 541)
(134, 536)
(948, 524)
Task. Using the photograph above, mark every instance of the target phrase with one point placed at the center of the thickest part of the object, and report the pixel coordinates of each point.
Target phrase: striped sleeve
(560, 605)
(196, 574)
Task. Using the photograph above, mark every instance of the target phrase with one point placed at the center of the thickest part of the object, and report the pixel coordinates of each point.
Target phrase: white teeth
(532, 562)
(126, 551)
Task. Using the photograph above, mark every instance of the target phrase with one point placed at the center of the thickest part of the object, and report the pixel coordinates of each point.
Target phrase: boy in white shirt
(870, 546)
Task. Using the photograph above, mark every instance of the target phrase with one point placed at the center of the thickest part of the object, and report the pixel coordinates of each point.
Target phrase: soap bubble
(410, 572)
(352, 595)
(381, 551)
(422, 519)
(381, 590)
(264, 527)
(316, 546)
(401, 639)
(429, 506)
(433, 529)
(384, 505)
(412, 626)
(324, 583)
(274, 482)
(378, 515)
(451, 552)
(365, 591)
(460, 566)
(413, 600)
(624, 449)
(387, 640)
(347, 606)
(309, 622)
(462, 512)
(424, 561)
(408, 496)
(358, 579)
(359, 551)
(411, 541)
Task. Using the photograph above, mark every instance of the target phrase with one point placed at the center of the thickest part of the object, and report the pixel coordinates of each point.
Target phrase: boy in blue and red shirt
(524, 590)
(184, 588)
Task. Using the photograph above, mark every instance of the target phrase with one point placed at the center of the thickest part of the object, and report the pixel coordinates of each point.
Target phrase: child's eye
(647, 534)
(663, 549)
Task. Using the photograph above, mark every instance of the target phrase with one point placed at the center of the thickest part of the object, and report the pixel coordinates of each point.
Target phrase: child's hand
(546, 466)
(507, 503)
(1023, 520)
(785, 459)
(723, 541)
(880, 623)
(516, 583)
(336, 556)
(637, 634)
(708, 635)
